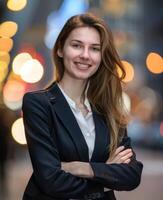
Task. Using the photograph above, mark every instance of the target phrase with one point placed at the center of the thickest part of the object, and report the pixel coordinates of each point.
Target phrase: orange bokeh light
(154, 63)
(5, 57)
(6, 44)
(3, 70)
(8, 29)
(14, 90)
(128, 69)
(16, 5)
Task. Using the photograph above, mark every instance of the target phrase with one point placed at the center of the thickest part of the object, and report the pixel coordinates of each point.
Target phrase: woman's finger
(122, 159)
(125, 152)
(127, 161)
(119, 149)
(126, 157)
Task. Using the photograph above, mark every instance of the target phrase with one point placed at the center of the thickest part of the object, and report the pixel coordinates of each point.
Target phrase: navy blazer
(53, 136)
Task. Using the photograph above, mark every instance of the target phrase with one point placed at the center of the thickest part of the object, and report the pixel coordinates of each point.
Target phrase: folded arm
(121, 172)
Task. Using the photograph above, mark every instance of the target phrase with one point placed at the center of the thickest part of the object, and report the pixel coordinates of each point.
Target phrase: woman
(76, 128)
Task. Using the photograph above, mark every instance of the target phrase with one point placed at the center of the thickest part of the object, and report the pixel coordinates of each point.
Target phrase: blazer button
(53, 99)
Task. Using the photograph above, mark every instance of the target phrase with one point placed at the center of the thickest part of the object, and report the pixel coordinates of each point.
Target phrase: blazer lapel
(63, 110)
(102, 139)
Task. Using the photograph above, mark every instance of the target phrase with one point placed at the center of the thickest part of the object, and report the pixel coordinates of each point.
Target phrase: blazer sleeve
(122, 177)
(49, 176)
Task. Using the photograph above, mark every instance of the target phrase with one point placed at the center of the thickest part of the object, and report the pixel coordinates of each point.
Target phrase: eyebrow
(94, 44)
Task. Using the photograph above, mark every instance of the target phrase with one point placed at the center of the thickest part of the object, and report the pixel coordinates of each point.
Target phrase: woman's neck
(74, 89)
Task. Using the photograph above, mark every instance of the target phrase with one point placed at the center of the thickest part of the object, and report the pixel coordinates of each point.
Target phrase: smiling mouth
(82, 65)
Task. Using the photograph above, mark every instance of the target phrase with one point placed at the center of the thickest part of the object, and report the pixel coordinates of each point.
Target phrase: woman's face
(81, 53)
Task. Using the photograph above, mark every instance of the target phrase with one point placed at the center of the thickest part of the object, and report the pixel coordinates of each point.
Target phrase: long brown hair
(105, 90)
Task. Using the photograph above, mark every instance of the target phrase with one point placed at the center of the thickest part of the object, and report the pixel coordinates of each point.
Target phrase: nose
(85, 53)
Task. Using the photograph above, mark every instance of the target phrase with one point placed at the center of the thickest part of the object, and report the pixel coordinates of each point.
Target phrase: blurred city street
(151, 187)
(28, 32)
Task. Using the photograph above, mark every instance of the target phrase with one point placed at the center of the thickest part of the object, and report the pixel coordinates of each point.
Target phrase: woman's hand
(77, 168)
(120, 156)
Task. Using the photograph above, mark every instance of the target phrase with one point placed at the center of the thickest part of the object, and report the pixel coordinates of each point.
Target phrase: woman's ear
(59, 53)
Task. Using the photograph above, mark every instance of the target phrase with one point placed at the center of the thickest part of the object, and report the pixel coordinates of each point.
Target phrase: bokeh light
(19, 60)
(5, 57)
(13, 92)
(18, 132)
(154, 63)
(31, 71)
(8, 29)
(13, 105)
(128, 69)
(3, 70)
(16, 5)
(6, 44)
(3, 65)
